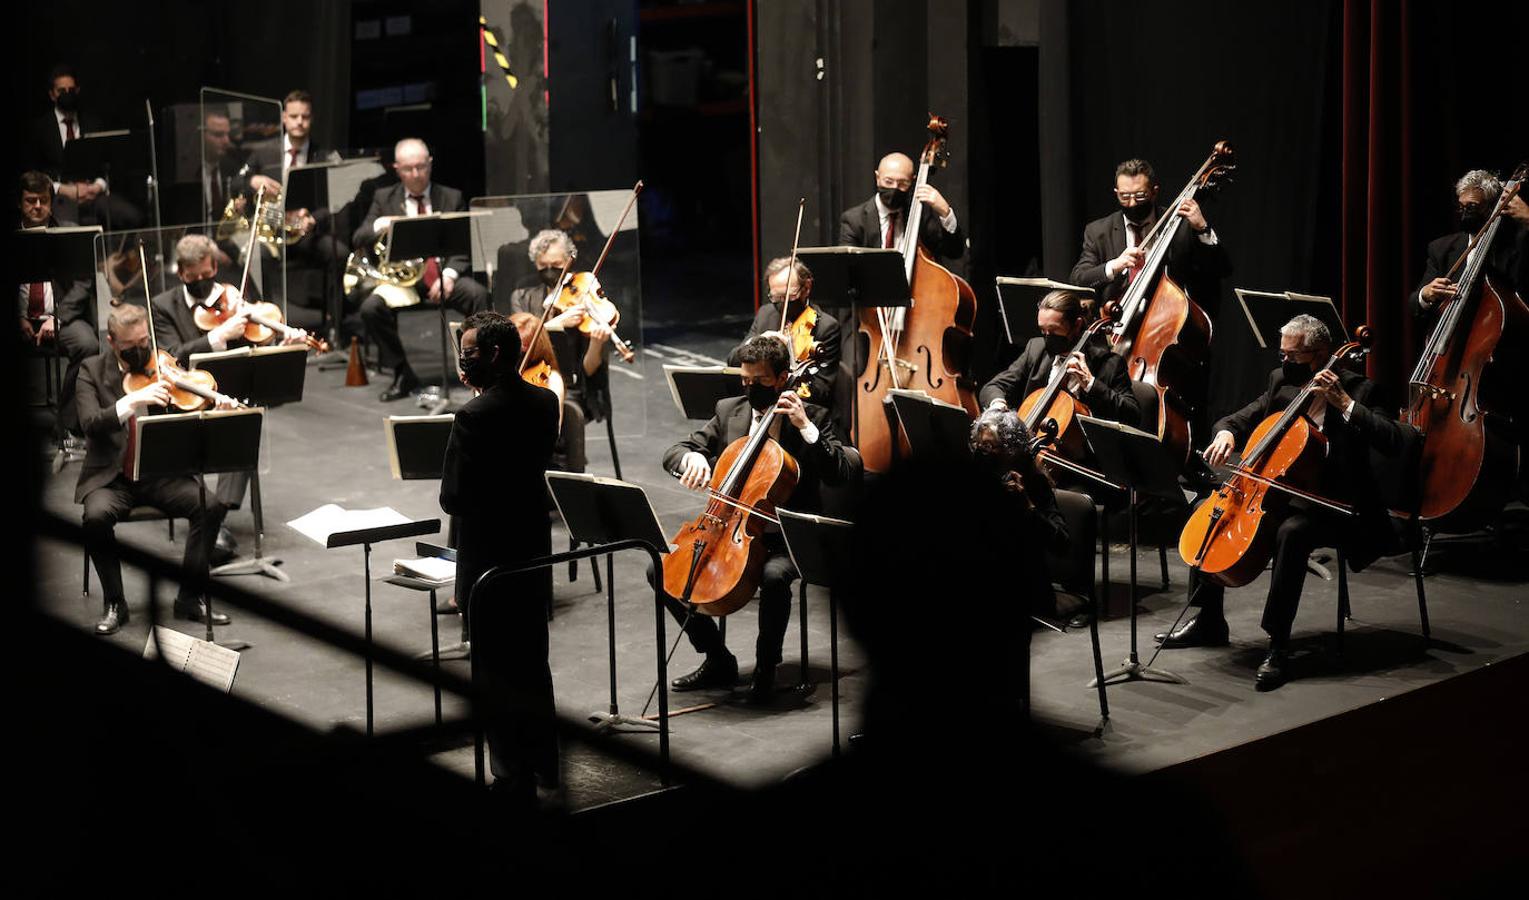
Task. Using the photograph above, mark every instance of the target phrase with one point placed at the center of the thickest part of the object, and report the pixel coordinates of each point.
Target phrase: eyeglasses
(781, 298)
(900, 183)
(1469, 207)
(1138, 196)
(1296, 355)
(410, 169)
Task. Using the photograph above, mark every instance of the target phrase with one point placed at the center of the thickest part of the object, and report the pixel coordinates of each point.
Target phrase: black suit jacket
(825, 332)
(1110, 397)
(265, 159)
(390, 201)
(1195, 265)
(1507, 263)
(860, 226)
(175, 326)
(95, 399)
(822, 462)
(45, 147)
(492, 481)
(1349, 474)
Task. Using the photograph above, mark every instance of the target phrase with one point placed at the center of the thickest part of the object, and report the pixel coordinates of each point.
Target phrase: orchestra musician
(1346, 410)
(882, 220)
(1507, 264)
(105, 409)
(1000, 447)
(540, 365)
(87, 202)
(1112, 251)
(824, 334)
(57, 312)
(492, 482)
(807, 433)
(444, 281)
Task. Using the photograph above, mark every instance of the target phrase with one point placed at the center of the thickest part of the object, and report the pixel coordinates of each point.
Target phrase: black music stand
(602, 511)
(1267, 312)
(1136, 460)
(1018, 299)
(441, 235)
(697, 390)
(266, 377)
(197, 444)
(417, 445)
(935, 429)
(90, 156)
(366, 537)
(820, 548)
(852, 278)
(47, 254)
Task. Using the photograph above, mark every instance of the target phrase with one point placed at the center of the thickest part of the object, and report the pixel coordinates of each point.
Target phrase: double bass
(1164, 335)
(719, 557)
(926, 347)
(1226, 537)
(1468, 459)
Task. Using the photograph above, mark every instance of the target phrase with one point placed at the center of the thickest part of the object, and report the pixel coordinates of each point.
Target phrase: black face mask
(478, 371)
(762, 397)
(992, 461)
(894, 198)
(136, 358)
(1057, 344)
(1296, 372)
(68, 101)
(1137, 214)
(1473, 220)
(550, 275)
(201, 289)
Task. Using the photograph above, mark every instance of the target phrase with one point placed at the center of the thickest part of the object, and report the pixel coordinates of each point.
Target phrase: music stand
(266, 377)
(1268, 312)
(935, 429)
(696, 390)
(1136, 460)
(441, 235)
(819, 546)
(197, 444)
(602, 511)
(1018, 299)
(417, 445)
(855, 277)
(90, 156)
(49, 254)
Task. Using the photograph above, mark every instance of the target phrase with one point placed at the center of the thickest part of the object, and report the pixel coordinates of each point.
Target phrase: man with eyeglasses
(1345, 409)
(793, 288)
(1112, 252)
(882, 221)
(443, 282)
(1507, 263)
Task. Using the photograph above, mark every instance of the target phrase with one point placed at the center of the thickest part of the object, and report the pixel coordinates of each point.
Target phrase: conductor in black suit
(1507, 263)
(797, 298)
(414, 195)
(806, 431)
(493, 483)
(882, 221)
(1345, 408)
(105, 409)
(1111, 246)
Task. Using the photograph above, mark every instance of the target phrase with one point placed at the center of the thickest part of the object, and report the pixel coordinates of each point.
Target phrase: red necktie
(293, 161)
(36, 301)
(432, 265)
(69, 126)
(891, 238)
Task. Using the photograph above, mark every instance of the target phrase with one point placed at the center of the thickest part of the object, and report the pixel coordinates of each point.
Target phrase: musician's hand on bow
(1190, 211)
(936, 200)
(1437, 290)
(695, 471)
(791, 405)
(1518, 210)
(225, 402)
(294, 336)
(155, 393)
(1129, 258)
(232, 327)
(1220, 449)
(1077, 366)
(1327, 386)
(265, 183)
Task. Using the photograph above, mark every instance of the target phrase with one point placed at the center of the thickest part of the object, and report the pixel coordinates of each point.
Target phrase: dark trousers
(78, 342)
(178, 497)
(231, 489)
(1299, 531)
(467, 297)
(510, 648)
(774, 611)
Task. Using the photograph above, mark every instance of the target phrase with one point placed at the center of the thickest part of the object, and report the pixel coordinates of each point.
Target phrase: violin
(1226, 537)
(264, 321)
(719, 558)
(1469, 455)
(582, 291)
(190, 389)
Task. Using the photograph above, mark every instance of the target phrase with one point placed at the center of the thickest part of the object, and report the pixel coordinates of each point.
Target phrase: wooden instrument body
(732, 557)
(1064, 410)
(1468, 460)
(1228, 535)
(190, 389)
(931, 355)
(1168, 352)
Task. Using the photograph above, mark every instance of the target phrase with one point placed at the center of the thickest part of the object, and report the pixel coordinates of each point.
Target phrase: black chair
(136, 514)
(1074, 572)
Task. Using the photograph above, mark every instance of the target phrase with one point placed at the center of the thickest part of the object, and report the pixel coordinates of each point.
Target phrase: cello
(1165, 336)
(1468, 460)
(924, 348)
(1226, 537)
(1055, 404)
(719, 557)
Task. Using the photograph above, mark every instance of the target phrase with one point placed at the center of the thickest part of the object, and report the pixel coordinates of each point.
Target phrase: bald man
(444, 280)
(882, 221)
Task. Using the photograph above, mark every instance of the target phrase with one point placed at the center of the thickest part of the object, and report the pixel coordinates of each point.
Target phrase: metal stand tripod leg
(1132, 668)
(258, 565)
(613, 720)
(206, 593)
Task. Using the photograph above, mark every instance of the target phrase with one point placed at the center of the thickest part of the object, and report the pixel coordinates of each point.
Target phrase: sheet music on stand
(323, 523)
(89, 156)
(261, 376)
(599, 510)
(1018, 299)
(696, 390)
(204, 661)
(202, 443)
(433, 234)
(1267, 312)
(417, 445)
(330, 185)
(935, 429)
(45, 254)
(856, 277)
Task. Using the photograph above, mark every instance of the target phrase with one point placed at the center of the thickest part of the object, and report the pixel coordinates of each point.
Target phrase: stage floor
(331, 449)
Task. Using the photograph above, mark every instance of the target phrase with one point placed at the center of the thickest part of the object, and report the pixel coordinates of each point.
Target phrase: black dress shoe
(1271, 672)
(225, 547)
(1081, 620)
(113, 619)
(197, 612)
(403, 385)
(1201, 631)
(715, 672)
(762, 688)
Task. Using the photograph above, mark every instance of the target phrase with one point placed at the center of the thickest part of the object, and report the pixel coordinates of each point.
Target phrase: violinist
(108, 494)
(807, 433)
(1094, 375)
(1112, 251)
(538, 361)
(882, 220)
(583, 358)
(1345, 409)
(1476, 193)
(823, 333)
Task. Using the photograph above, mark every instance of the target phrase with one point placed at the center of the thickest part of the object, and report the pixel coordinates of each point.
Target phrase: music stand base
(256, 566)
(609, 722)
(1134, 670)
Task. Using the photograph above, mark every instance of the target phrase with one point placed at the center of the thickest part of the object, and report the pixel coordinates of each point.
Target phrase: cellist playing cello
(808, 327)
(1344, 409)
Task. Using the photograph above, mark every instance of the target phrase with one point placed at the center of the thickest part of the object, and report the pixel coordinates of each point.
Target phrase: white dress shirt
(63, 140)
(947, 221)
(1207, 237)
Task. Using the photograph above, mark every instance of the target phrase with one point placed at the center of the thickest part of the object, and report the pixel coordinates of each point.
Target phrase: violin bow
(249, 253)
(149, 305)
(541, 324)
(785, 303)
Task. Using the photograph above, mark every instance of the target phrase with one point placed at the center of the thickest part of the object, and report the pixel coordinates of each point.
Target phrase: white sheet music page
(208, 663)
(331, 518)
